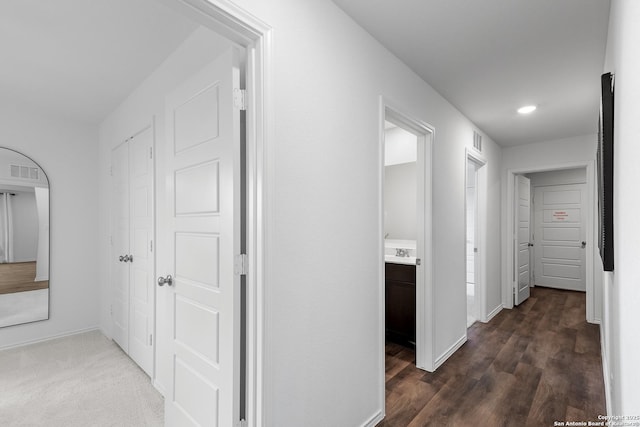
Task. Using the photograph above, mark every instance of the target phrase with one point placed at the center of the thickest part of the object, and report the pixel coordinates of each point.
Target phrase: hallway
(529, 366)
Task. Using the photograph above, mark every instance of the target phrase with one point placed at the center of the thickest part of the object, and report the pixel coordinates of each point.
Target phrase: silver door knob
(121, 258)
(584, 244)
(168, 280)
(127, 258)
(530, 244)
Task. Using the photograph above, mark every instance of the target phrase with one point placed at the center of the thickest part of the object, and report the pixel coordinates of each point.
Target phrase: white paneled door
(522, 243)
(132, 252)
(559, 215)
(120, 244)
(204, 194)
(141, 268)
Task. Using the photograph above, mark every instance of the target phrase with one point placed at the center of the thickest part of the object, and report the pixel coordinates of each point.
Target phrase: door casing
(508, 226)
(425, 330)
(480, 231)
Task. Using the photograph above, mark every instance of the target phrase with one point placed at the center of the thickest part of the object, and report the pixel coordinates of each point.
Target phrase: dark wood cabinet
(400, 304)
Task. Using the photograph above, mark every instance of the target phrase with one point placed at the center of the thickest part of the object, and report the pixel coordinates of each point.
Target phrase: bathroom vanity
(400, 306)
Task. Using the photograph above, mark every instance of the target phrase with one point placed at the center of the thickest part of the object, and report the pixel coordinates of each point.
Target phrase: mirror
(24, 240)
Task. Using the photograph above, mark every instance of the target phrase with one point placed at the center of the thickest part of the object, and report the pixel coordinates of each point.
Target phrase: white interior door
(141, 268)
(131, 258)
(120, 244)
(204, 190)
(471, 199)
(472, 248)
(559, 216)
(522, 243)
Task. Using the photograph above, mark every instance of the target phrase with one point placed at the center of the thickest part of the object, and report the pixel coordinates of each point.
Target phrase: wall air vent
(477, 141)
(24, 172)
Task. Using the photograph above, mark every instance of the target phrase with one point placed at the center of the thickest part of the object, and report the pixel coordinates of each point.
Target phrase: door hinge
(241, 265)
(111, 310)
(151, 246)
(151, 152)
(150, 339)
(240, 99)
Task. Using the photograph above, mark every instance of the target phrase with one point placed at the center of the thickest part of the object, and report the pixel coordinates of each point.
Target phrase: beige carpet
(82, 380)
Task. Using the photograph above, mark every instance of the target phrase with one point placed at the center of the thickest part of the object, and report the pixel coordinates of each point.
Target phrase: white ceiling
(81, 58)
(489, 57)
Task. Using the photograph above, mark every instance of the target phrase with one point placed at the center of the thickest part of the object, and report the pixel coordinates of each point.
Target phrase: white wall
(558, 177)
(400, 146)
(134, 114)
(67, 152)
(400, 194)
(323, 354)
(551, 153)
(621, 315)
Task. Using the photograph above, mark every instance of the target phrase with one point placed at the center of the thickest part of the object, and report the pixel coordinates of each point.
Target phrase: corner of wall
(449, 352)
(493, 313)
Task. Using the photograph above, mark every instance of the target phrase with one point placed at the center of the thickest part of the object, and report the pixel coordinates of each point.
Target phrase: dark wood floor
(530, 366)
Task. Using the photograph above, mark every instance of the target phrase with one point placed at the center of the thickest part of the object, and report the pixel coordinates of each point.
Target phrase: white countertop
(407, 260)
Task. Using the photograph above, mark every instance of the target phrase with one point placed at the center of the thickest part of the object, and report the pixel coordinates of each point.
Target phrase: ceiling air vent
(477, 141)
(24, 172)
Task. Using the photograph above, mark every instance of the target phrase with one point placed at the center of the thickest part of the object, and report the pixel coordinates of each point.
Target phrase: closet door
(120, 244)
(140, 264)
(132, 248)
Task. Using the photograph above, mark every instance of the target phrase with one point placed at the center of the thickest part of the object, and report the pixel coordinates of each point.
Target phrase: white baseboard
(605, 373)
(158, 387)
(493, 313)
(374, 420)
(447, 354)
(49, 338)
(595, 321)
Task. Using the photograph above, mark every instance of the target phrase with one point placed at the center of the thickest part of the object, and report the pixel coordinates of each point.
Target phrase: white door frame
(425, 325)
(508, 229)
(241, 27)
(480, 259)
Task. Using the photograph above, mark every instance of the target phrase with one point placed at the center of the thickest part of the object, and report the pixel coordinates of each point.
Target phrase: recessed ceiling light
(527, 109)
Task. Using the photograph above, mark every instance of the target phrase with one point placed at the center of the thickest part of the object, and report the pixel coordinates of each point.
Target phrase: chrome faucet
(401, 252)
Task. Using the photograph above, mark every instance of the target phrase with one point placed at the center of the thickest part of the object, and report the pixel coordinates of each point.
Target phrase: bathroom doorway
(408, 245)
(475, 217)
(400, 234)
(471, 249)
